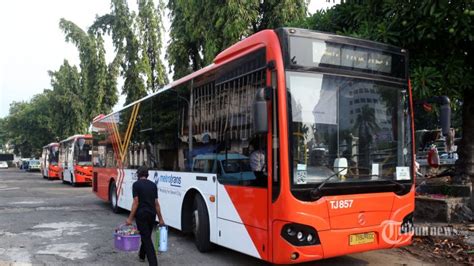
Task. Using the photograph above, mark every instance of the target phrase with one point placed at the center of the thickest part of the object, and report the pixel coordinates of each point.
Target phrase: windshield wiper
(316, 192)
(398, 184)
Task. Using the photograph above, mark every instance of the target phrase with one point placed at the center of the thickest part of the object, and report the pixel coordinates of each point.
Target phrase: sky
(32, 43)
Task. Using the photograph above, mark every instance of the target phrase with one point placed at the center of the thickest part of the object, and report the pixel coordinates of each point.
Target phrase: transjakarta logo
(173, 180)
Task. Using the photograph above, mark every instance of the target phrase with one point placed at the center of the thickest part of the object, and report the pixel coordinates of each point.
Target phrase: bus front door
(242, 215)
(68, 165)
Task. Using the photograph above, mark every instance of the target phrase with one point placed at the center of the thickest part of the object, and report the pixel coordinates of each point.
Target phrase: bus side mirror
(260, 111)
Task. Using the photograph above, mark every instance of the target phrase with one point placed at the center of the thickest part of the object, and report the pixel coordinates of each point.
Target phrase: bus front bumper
(334, 243)
(83, 178)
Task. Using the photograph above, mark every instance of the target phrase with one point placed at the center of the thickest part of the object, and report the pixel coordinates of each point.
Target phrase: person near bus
(257, 157)
(258, 164)
(145, 208)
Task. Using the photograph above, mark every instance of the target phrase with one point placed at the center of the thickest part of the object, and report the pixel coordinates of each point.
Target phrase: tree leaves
(137, 41)
(201, 29)
(435, 33)
(94, 70)
(29, 125)
(438, 36)
(150, 30)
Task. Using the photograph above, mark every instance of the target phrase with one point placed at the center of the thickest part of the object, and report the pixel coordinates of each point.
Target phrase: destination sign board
(309, 52)
(350, 56)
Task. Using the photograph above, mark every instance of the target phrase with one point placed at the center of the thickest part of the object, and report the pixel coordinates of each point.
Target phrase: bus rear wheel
(200, 225)
(113, 198)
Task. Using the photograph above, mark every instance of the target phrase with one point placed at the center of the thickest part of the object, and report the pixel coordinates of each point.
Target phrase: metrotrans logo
(173, 180)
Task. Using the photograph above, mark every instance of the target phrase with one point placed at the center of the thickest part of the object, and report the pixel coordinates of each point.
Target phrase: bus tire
(113, 198)
(200, 225)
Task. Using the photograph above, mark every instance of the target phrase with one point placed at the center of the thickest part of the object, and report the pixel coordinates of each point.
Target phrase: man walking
(145, 207)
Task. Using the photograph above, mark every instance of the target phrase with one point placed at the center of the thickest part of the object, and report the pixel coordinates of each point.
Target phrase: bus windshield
(364, 121)
(84, 151)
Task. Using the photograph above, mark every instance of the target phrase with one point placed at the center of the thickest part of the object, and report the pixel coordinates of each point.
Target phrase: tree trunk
(466, 149)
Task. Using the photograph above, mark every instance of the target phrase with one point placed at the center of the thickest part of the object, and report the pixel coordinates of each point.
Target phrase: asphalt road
(48, 222)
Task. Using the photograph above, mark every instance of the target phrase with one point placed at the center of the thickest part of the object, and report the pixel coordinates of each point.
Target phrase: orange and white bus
(292, 146)
(75, 159)
(49, 161)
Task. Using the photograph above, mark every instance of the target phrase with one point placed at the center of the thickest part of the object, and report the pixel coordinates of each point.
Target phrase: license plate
(363, 238)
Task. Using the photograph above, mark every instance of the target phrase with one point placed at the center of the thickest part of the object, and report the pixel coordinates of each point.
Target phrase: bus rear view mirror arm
(260, 110)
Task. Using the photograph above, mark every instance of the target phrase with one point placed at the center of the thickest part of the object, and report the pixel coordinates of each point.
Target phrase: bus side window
(224, 120)
(218, 168)
(198, 166)
(163, 131)
(203, 166)
(213, 166)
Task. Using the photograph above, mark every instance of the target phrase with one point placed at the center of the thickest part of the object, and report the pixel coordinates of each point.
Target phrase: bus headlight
(300, 234)
(290, 231)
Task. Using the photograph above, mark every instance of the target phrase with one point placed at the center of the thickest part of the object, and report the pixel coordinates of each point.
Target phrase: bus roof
(342, 39)
(86, 136)
(51, 145)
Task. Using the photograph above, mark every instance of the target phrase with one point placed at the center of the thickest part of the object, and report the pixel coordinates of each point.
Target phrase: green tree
(151, 29)
(13, 125)
(69, 108)
(439, 36)
(30, 125)
(3, 134)
(110, 95)
(94, 73)
(137, 41)
(54, 114)
(201, 29)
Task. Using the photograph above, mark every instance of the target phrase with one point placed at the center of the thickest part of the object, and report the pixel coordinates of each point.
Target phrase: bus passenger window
(204, 165)
(198, 166)
(218, 132)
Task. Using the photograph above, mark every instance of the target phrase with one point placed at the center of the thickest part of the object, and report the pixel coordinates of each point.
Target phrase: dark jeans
(145, 223)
